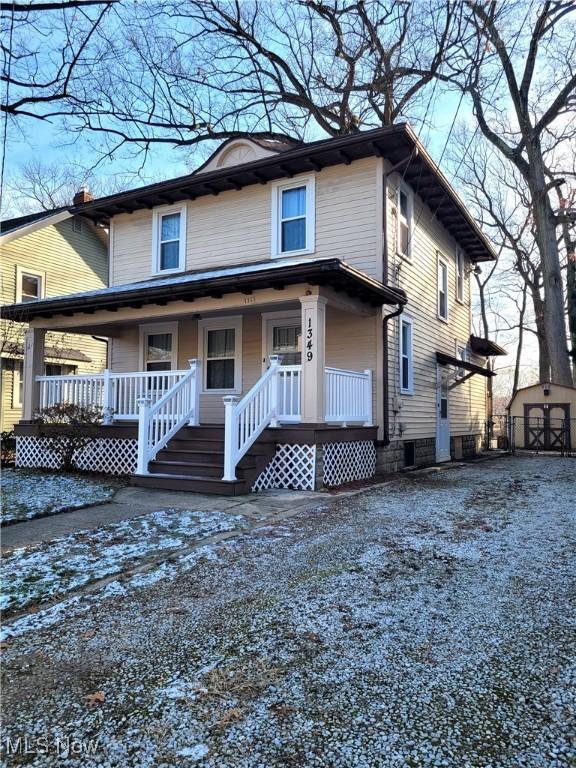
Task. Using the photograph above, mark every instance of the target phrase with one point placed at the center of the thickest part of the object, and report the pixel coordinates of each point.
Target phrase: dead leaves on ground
(95, 698)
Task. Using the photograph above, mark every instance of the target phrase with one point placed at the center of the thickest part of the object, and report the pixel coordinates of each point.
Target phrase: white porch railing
(116, 393)
(348, 396)
(160, 421)
(289, 389)
(246, 419)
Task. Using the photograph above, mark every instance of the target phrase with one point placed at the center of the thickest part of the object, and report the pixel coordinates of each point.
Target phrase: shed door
(545, 426)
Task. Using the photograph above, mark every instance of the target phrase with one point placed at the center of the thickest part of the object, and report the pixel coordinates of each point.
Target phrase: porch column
(33, 366)
(313, 358)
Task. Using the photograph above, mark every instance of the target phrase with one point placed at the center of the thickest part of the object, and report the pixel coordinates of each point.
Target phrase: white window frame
(217, 324)
(409, 221)
(277, 188)
(460, 274)
(152, 328)
(157, 214)
(442, 262)
(406, 319)
(23, 272)
(460, 347)
(17, 379)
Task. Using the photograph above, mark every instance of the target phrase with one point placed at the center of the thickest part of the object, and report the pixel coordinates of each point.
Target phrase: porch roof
(214, 283)
(397, 143)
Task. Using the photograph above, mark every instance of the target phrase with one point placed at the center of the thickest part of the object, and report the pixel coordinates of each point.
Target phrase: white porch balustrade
(160, 421)
(116, 393)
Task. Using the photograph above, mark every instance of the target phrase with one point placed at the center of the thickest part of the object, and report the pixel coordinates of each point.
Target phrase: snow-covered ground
(429, 622)
(27, 494)
(38, 573)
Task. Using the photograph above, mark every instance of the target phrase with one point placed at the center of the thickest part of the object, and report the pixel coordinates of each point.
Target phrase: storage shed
(543, 417)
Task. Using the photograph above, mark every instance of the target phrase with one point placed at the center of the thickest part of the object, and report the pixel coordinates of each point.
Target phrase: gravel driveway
(428, 622)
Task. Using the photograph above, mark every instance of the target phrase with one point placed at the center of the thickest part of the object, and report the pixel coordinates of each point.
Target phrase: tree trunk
(546, 238)
(520, 344)
(543, 356)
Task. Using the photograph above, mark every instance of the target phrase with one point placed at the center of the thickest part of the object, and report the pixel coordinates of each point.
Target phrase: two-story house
(285, 316)
(47, 254)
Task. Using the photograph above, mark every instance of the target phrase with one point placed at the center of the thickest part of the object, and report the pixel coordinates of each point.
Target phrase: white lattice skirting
(293, 466)
(344, 462)
(111, 456)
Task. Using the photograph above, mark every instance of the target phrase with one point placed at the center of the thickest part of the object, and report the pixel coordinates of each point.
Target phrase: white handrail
(246, 419)
(348, 396)
(159, 422)
(116, 393)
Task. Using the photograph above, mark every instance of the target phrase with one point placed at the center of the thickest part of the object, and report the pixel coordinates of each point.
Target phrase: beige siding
(414, 416)
(235, 227)
(70, 262)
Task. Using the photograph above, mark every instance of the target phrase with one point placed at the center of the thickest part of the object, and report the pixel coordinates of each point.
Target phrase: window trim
(152, 328)
(460, 274)
(23, 272)
(218, 324)
(408, 321)
(17, 381)
(277, 188)
(402, 187)
(441, 260)
(157, 214)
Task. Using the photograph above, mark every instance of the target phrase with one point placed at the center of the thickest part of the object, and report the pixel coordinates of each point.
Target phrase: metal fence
(531, 433)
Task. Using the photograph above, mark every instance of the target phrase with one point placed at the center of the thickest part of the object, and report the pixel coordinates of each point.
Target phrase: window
(404, 208)
(406, 356)
(59, 369)
(293, 217)
(287, 341)
(169, 238)
(221, 343)
(18, 384)
(460, 275)
(29, 285)
(461, 354)
(442, 289)
(158, 352)
(159, 347)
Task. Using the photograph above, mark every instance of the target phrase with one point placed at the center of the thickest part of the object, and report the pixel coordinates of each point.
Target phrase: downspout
(391, 315)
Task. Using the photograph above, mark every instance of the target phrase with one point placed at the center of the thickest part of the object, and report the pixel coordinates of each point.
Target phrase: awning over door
(472, 369)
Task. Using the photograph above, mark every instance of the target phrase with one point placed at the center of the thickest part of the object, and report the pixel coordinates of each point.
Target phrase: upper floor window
(405, 211)
(442, 289)
(293, 217)
(169, 239)
(460, 275)
(406, 356)
(29, 285)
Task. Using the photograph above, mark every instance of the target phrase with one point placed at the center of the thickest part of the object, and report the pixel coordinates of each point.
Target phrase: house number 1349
(309, 340)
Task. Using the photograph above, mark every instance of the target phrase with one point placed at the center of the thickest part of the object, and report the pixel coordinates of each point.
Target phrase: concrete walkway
(132, 502)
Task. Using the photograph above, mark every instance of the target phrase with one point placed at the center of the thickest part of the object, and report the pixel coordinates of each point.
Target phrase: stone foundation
(391, 458)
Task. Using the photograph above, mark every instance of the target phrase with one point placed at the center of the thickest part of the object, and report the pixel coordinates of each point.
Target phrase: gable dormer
(239, 151)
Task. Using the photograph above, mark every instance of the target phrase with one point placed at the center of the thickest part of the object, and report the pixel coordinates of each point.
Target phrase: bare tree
(522, 86)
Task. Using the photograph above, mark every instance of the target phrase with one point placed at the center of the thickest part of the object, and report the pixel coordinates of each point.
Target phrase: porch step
(194, 461)
(192, 484)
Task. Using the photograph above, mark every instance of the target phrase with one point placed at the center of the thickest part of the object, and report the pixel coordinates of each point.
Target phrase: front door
(442, 420)
(283, 336)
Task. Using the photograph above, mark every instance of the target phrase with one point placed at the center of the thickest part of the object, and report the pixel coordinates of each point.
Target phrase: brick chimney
(83, 196)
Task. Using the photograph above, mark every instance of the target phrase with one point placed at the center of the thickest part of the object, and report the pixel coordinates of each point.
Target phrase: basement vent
(409, 454)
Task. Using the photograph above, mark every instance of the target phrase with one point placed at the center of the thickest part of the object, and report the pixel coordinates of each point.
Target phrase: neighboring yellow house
(51, 253)
(285, 316)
